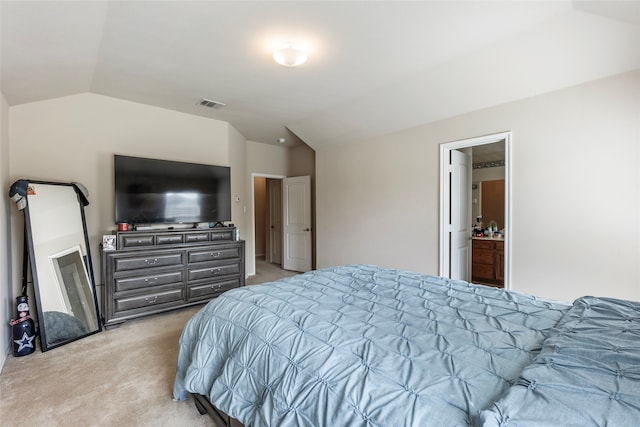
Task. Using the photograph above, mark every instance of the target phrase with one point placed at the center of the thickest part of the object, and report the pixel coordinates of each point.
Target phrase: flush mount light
(289, 55)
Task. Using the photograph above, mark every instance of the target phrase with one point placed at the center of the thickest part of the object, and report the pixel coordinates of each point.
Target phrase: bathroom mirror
(58, 248)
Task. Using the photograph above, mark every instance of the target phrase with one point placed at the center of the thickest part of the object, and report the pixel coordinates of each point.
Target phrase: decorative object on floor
(58, 253)
(23, 329)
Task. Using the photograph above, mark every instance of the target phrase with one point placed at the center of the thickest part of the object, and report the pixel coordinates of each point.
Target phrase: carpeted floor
(266, 272)
(123, 376)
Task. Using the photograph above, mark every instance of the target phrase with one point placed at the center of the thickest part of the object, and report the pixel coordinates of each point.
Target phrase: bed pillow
(587, 374)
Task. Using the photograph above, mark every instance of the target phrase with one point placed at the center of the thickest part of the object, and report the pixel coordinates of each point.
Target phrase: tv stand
(159, 270)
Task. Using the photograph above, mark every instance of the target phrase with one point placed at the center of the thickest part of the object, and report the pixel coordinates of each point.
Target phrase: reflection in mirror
(60, 263)
(69, 304)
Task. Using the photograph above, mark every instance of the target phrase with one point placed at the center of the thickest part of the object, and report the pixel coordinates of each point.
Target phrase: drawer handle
(215, 255)
(151, 261)
(215, 271)
(151, 281)
(216, 287)
(151, 300)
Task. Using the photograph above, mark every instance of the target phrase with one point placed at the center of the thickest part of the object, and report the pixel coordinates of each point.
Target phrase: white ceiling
(374, 67)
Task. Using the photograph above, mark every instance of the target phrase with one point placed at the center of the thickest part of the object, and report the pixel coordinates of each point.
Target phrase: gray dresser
(156, 271)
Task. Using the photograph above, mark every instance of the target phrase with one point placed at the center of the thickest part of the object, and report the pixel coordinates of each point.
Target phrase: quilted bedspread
(587, 374)
(361, 345)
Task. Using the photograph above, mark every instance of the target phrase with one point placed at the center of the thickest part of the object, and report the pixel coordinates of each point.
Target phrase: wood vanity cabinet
(487, 265)
(156, 271)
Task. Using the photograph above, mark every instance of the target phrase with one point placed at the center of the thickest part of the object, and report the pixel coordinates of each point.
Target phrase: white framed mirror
(60, 259)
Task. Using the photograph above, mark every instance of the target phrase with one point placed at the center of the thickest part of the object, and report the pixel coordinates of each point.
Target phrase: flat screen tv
(151, 191)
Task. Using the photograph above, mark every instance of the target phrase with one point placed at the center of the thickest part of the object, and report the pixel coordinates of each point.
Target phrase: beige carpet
(266, 272)
(123, 376)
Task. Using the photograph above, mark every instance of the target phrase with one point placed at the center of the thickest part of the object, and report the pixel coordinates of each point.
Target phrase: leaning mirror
(58, 250)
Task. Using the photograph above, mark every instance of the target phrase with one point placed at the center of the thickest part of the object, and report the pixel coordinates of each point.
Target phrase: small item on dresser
(123, 226)
(109, 242)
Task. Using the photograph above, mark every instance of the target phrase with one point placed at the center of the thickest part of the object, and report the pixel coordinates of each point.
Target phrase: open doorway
(475, 209)
(281, 225)
(267, 202)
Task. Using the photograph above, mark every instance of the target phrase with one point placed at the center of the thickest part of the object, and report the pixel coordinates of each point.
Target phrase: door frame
(445, 246)
(251, 261)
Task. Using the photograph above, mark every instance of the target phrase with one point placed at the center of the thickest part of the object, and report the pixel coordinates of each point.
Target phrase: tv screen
(151, 191)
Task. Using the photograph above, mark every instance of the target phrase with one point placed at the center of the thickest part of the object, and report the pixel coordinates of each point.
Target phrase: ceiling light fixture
(289, 55)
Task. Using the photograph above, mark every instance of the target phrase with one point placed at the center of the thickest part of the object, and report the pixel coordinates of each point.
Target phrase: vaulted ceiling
(373, 67)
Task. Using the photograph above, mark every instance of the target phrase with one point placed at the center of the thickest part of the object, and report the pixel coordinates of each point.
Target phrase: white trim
(445, 148)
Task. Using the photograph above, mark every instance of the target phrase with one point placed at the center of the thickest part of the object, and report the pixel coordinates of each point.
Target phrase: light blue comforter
(587, 375)
(361, 346)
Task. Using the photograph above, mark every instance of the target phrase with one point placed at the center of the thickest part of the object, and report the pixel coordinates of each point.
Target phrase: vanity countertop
(499, 239)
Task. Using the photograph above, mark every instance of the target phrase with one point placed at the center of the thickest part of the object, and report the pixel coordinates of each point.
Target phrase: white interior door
(296, 206)
(274, 231)
(460, 214)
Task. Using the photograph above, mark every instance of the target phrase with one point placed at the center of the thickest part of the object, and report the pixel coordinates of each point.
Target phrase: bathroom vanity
(487, 261)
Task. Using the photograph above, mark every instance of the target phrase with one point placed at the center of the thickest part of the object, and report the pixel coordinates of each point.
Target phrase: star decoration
(25, 342)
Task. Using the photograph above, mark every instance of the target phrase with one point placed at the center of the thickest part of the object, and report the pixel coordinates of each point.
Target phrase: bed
(361, 345)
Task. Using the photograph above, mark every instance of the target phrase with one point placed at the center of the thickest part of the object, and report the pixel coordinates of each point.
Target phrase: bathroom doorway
(463, 165)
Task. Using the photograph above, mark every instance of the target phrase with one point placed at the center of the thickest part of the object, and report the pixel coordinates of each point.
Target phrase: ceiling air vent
(211, 104)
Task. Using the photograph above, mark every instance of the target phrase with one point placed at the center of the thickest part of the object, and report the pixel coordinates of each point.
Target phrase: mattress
(362, 345)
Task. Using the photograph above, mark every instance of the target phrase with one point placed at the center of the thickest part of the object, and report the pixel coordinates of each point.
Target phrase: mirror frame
(86, 258)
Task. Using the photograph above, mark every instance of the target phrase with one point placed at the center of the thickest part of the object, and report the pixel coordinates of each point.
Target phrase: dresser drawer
(208, 290)
(172, 295)
(223, 234)
(483, 244)
(140, 282)
(213, 271)
(134, 240)
(195, 237)
(213, 254)
(169, 239)
(150, 260)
